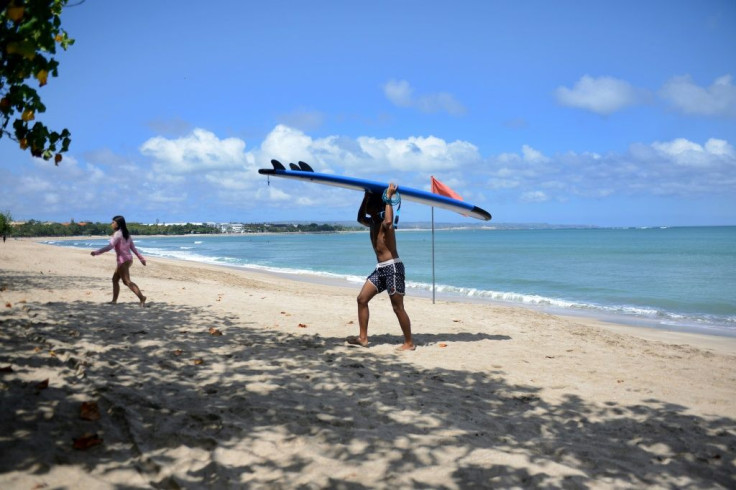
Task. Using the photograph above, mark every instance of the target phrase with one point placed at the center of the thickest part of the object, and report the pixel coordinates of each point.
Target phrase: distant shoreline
(405, 228)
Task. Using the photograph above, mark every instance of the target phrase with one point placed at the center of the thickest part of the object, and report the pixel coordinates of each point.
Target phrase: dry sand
(494, 396)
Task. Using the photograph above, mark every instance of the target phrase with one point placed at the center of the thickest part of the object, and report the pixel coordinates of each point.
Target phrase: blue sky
(588, 112)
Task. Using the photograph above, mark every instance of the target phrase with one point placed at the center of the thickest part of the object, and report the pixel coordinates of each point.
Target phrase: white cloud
(33, 184)
(199, 151)
(223, 180)
(274, 194)
(686, 153)
(287, 145)
(230, 180)
(679, 167)
(717, 100)
(161, 197)
(367, 155)
(52, 198)
(602, 95)
(402, 160)
(534, 196)
(401, 94)
(503, 183)
(719, 147)
(426, 154)
(95, 174)
(533, 156)
(676, 147)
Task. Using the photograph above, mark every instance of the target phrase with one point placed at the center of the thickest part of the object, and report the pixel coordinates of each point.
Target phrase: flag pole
(441, 189)
(432, 254)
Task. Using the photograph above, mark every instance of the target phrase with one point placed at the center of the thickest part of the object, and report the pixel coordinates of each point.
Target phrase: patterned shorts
(389, 276)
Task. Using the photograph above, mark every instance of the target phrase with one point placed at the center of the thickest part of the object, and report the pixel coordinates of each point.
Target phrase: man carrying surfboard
(377, 213)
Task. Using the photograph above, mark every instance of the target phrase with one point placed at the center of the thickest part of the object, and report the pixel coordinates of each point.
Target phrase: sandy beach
(234, 379)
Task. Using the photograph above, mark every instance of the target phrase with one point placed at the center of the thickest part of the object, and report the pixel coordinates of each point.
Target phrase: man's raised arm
(363, 218)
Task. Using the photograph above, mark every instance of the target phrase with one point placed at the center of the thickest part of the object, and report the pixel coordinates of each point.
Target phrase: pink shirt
(122, 248)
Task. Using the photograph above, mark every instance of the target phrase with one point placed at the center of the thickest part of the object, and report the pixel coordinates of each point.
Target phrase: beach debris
(350, 322)
(8, 305)
(198, 362)
(302, 325)
(178, 352)
(89, 411)
(215, 332)
(442, 344)
(37, 349)
(86, 441)
(619, 381)
(43, 384)
(526, 398)
(457, 321)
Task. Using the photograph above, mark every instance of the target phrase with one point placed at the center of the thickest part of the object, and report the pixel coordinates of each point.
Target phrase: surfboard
(306, 173)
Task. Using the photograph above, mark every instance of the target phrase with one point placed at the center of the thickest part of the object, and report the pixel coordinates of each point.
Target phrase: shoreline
(234, 378)
(591, 316)
(724, 342)
(639, 328)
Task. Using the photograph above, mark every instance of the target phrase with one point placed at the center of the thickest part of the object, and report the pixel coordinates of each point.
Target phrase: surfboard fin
(294, 166)
(277, 165)
(305, 166)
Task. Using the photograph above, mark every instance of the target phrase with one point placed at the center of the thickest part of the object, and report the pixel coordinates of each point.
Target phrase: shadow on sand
(256, 385)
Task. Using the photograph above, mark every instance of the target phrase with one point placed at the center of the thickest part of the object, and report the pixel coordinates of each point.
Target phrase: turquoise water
(670, 277)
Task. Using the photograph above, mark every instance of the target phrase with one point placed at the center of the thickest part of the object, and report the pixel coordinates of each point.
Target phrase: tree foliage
(5, 220)
(30, 31)
(33, 228)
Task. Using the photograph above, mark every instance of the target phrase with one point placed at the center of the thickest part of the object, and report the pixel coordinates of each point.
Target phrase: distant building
(232, 227)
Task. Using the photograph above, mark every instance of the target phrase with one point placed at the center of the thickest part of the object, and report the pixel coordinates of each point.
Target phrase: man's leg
(397, 301)
(365, 296)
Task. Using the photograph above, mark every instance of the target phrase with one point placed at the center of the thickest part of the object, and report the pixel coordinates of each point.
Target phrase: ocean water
(677, 278)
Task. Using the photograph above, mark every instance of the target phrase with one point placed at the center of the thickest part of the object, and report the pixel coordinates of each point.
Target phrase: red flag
(441, 189)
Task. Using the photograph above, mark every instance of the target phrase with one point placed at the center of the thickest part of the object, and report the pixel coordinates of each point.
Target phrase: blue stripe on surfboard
(408, 193)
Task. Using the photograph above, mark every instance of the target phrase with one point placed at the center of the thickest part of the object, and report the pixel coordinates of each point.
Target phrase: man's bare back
(379, 217)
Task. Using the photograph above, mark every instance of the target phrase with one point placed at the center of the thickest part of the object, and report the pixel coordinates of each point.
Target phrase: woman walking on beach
(122, 242)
